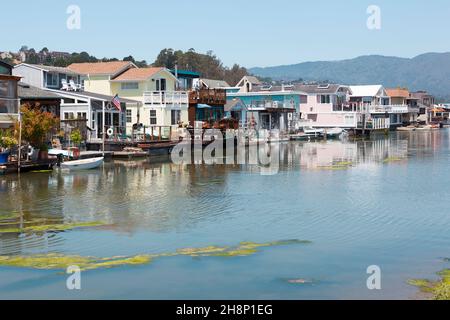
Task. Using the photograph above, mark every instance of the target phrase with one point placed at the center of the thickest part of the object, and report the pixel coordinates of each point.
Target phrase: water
(379, 202)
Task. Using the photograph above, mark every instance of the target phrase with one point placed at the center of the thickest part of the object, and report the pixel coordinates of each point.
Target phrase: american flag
(116, 102)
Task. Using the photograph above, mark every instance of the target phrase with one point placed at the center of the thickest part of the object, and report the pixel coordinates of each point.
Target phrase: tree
(36, 126)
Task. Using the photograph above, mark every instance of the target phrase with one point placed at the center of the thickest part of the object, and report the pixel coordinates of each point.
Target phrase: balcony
(208, 96)
(164, 99)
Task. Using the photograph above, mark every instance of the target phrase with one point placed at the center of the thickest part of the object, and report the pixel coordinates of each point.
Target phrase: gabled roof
(398, 93)
(111, 68)
(49, 68)
(215, 84)
(366, 91)
(140, 74)
(253, 80)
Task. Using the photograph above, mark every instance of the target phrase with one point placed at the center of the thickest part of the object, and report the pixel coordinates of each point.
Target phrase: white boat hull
(85, 164)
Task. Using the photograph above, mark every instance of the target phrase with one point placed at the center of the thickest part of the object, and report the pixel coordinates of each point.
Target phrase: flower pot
(43, 155)
(4, 157)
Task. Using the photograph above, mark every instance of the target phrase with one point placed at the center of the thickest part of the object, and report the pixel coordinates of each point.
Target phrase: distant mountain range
(430, 71)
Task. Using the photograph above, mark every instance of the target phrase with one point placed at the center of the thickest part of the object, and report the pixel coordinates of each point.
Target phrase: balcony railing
(208, 96)
(164, 98)
(272, 105)
(392, 108)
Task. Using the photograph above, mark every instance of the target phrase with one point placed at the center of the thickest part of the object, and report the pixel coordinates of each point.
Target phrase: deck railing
(165, 98)
(208, 96)
(391, 108)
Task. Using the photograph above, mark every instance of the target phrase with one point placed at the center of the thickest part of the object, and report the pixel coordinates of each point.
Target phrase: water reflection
(163, 197)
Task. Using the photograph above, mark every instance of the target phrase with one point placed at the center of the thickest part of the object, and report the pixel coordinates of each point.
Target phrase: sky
(248, 32)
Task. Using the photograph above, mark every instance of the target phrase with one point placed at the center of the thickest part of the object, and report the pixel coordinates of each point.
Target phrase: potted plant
(7, 142)
(36, 126)
(76, 137)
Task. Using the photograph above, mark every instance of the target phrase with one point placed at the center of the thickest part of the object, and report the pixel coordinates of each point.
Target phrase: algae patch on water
(55, 261)
(241, 250)
(440, 290)
(336, 166)
(42, 226)
(392, 159)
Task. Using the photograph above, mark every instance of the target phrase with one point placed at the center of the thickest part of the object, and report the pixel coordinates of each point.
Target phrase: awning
(203, 106)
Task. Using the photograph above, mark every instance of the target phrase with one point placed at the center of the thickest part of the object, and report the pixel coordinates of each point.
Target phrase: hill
(430, 71)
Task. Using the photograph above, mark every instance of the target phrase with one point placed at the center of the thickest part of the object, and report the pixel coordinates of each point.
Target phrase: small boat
(301, 136)
(407, 129)
(84, 164)
(278, 139)
(313, 132)
(333, 133)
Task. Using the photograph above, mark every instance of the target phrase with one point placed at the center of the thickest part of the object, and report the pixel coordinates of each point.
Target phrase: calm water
(379, 202)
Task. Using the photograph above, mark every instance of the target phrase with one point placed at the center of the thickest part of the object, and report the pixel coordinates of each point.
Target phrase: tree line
(207, 64)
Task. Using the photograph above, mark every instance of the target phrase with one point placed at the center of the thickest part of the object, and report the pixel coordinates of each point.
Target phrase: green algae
(241, 250)
(392, 159)
(341, 165)
(439, 290)
(43, 228)
(55, 261)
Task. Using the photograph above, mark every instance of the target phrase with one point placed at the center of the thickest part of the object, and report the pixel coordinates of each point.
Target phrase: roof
(91, 95)
(213, 84)
(49, 68)
(398, 92)
(252, 80)
(318, 88)
(186, 73)
(7, 66)
(28, 92)
(101, 68)
(366, 91)
(136, 74)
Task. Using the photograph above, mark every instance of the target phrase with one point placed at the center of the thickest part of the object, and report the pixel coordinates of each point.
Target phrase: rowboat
(84, 164)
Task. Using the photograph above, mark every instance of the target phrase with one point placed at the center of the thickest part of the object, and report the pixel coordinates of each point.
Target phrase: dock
(27, 166)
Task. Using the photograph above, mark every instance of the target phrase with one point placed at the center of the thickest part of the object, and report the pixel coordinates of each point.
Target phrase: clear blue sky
(248, 32)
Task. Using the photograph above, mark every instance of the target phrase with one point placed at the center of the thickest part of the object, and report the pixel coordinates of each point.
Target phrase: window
(69, 116)
(130, 86)
(129, 120)
(176, 116)
(81, 115)
(161, 85)
(325, 99)
(52, 80)
(153, 117)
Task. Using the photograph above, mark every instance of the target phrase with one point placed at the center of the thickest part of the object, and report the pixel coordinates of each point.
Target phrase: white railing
(164, 98)
(388, 108)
